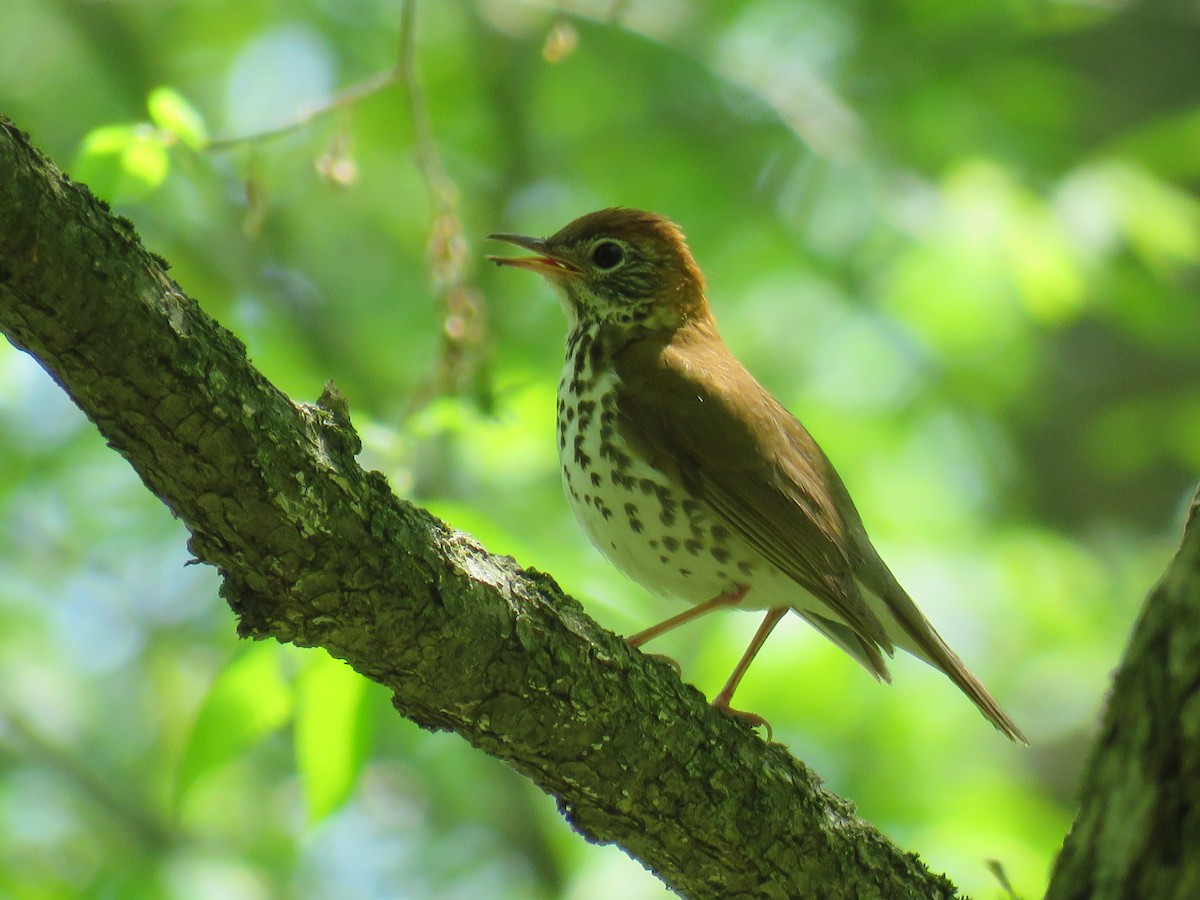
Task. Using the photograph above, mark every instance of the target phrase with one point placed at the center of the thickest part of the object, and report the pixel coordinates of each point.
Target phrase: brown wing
(760, 471)
(749, 461)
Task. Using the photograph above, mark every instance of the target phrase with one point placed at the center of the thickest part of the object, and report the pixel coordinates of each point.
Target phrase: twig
(341, 100)
(462, 359)
(462, 356)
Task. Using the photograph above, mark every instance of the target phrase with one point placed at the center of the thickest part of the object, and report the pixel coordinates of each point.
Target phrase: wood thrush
(690, 477)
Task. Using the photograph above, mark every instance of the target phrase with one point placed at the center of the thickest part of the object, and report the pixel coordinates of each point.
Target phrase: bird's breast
(647, 525)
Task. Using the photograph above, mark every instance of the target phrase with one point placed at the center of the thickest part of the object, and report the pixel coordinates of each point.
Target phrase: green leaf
(172, 113)
(247, 701)
(107, 139)
(122, 162)
(145, 158)
(331, 732)
(98, 162)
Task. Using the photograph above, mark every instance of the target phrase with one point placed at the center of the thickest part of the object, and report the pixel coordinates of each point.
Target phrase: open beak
(545, 263)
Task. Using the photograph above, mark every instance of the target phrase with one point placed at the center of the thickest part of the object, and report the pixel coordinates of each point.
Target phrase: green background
(959, 240)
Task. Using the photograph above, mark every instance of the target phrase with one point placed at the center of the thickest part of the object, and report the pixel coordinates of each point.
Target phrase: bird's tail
(938, 654)
(908, 628)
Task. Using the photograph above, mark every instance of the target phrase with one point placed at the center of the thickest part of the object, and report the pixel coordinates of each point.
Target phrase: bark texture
(1137, 833)
(315, 551)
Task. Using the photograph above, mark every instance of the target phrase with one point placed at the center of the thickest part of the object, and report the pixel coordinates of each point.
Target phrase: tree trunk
(1137, 833)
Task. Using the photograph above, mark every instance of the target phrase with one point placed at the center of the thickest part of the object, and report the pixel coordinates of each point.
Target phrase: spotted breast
(635, 515)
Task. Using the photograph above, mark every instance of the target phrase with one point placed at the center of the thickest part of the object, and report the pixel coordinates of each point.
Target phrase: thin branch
(443, 193)
(462, 358)
(343, 99)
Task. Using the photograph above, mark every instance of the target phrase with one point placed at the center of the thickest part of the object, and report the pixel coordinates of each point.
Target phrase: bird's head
(622, 267)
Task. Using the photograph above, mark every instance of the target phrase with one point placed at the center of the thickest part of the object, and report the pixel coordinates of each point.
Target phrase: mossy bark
(1137, 833)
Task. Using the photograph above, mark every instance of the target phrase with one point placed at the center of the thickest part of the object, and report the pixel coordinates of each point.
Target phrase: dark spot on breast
(720, 554)
(596, 479)
(573, 341)
(670, 543)
(596, 355)
(745, 568)
(582, 459)
(667, 514)
(621, 480)
(720, 533)
(635, 525)
(685, 572)
(570, 414)
(585, 414)
(692, 546)
(581, 349)
(647, 486)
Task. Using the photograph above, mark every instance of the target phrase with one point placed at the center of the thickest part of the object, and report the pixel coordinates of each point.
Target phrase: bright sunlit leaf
(172, 112)
(1161, 221)
(331, 732)
(122, 162)
(247, 701)
(145, 158)
(98, 162)
(107, 139)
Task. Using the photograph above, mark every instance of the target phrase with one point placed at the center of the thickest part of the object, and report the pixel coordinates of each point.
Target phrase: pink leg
(721, 601)
(721, 701)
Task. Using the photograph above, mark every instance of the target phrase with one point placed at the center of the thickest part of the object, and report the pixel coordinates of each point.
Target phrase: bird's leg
(721, 601)
(721, 701)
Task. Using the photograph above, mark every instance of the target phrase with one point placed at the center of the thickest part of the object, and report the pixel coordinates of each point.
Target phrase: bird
(691, 477)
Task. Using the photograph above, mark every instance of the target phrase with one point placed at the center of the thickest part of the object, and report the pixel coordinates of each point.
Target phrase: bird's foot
(754, 720)
(670, 661)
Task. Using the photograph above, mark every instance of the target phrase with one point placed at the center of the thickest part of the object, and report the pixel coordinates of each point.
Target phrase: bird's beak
(545, 263)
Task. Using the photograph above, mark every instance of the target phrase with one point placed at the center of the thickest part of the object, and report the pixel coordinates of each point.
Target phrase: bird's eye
(607, 255)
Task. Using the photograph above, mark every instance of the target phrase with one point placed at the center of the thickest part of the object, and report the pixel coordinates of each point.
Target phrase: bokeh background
(959, 240)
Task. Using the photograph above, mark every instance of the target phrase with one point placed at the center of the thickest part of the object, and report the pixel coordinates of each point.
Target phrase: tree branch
(315, 551)
(1137, 833)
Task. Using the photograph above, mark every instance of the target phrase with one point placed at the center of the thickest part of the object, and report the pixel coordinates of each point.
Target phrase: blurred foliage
(960, 240)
